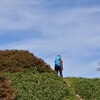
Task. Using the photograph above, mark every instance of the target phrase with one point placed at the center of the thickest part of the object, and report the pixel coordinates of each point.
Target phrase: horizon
(50, 27)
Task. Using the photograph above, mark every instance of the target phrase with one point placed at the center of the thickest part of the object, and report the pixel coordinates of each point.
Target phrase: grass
(87, 89)
(23, 76)
(45, 86)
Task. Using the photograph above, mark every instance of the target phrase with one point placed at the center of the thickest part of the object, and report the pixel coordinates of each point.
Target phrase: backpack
(58, 61)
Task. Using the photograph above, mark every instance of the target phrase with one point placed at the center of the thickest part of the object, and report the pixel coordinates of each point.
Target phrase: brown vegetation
(6, 91)
(20, 60)
(17, 61)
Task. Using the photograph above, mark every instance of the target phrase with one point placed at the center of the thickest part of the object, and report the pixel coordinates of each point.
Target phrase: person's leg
(56, 69)
(60, 70)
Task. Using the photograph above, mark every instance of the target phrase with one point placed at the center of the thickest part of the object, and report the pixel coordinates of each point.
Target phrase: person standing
(59, 65)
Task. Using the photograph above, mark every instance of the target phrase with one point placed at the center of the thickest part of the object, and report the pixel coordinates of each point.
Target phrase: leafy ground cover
(87, 89)
(6, 90)
(31, 77)
(40, 86)
(21, 60)
(23, 76)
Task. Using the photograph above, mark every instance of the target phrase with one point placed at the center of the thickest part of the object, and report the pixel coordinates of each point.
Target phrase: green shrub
(44, 86)
(88, 89)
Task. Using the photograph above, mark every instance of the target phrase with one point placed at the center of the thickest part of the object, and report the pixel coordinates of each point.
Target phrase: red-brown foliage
(6, 91)
(20, 60)
(16, 61)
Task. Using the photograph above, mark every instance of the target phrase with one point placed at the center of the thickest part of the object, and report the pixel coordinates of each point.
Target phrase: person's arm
(61, 64)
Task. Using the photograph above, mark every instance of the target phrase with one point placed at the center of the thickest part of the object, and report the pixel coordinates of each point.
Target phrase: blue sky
(48, 27)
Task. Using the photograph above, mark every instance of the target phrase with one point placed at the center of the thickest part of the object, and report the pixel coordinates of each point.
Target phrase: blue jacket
(57, 61)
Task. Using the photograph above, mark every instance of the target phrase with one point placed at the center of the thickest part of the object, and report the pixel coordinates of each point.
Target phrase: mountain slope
(29, 78)
(21, 60)
(25, 76)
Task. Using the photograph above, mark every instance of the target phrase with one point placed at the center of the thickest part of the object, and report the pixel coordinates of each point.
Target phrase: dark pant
(58, 69)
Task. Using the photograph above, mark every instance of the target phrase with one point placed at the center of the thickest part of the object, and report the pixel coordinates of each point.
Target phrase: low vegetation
(7, 92)
(45, 86)
(20, 60)
(30, 78)
(85, 88)
(88, 89)
(23, 76)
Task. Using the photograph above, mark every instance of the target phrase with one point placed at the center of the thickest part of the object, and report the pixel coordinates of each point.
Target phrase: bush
(88, 89)
(21, 60)
(44, 86)
(6, 91)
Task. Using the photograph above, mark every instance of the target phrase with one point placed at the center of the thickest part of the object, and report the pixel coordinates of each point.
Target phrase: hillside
(23, 76)
(20, 60)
